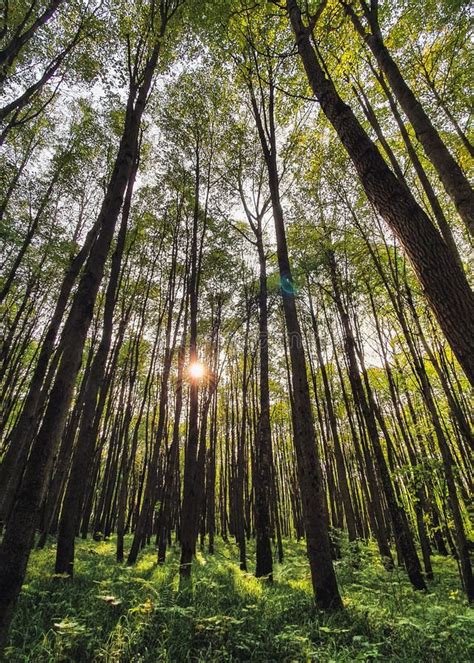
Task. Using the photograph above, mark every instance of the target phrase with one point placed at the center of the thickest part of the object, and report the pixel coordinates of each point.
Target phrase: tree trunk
(263, 450)
(443, 281)
(449, 171)
(308, 464)
(340, 464)
(397, 514)
(20, 37)
(74, 497)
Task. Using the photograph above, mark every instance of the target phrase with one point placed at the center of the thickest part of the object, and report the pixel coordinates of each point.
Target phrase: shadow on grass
(116, 613)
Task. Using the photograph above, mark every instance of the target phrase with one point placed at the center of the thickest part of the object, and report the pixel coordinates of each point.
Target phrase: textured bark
(449, 171)
(443, 281)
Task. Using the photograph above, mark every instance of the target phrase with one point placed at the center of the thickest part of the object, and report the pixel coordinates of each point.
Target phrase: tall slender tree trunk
(149, 498)
(21, 36)
(211, 479)
(435, 205)
(73, 501)
(172, 466)
(397, 514)
(191, 479)
(308, 463)
(21, 435)
(340, 464)
(263, 450)
(241, 447)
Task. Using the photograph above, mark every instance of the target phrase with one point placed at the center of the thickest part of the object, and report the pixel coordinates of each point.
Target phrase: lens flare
(196, 370)
(287, 286)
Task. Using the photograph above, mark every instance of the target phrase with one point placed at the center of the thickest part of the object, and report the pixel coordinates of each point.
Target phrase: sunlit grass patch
(115, 613)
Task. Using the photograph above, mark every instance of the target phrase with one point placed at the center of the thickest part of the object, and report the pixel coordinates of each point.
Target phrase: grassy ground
(114, 613)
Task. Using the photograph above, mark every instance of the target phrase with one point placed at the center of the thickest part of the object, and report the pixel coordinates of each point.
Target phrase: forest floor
(111, 612)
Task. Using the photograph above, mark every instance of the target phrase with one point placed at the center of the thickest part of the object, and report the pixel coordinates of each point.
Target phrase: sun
(196, 370)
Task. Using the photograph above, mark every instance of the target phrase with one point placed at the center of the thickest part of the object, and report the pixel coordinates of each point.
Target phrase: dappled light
(237, 331)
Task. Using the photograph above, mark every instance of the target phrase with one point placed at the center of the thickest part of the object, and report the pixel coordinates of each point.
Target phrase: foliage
(230, 133)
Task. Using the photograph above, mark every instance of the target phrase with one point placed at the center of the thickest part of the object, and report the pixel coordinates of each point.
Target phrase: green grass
(114, 613)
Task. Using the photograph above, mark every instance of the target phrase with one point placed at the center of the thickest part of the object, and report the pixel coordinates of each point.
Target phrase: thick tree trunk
(443, 281)
(449, 171)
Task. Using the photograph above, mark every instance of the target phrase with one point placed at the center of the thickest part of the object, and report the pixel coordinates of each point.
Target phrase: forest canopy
(237, 324)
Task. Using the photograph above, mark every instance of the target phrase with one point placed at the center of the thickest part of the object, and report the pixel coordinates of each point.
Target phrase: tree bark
(74, 497)
(449, 171)
(21, 37)
(443, 281)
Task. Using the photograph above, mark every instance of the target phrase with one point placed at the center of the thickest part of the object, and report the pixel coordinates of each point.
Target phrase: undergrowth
(137, 614)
